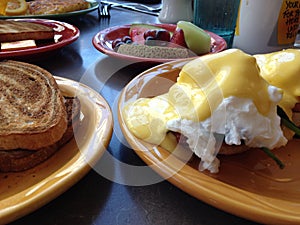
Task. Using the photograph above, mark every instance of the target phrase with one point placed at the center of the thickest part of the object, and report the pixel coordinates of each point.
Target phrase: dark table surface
(96, 199)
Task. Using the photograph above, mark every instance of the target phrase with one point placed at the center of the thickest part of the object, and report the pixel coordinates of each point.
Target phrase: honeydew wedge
(197, 40)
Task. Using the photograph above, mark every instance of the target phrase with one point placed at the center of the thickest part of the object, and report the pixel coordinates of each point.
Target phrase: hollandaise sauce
(282, 69)
(206, 81)
(219, 93)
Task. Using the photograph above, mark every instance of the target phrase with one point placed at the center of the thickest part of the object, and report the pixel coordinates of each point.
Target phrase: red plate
(103, 42)
(64, 34)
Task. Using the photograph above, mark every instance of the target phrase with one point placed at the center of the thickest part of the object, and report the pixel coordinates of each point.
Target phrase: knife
(135, 7)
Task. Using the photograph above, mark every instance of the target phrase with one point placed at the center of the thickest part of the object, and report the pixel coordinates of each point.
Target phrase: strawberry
(178, 38)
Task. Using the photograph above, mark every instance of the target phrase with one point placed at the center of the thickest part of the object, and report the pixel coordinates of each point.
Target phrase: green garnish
(287, 122)
(273, 156)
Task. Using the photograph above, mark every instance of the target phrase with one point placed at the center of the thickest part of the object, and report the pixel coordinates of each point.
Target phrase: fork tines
(104, 10)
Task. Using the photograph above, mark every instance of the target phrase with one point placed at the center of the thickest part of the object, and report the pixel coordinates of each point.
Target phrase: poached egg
(215, 95)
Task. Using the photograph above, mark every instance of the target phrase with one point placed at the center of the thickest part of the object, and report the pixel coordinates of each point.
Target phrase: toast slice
(32, 111)
(22, 159)
(42, 7)
(21, 30)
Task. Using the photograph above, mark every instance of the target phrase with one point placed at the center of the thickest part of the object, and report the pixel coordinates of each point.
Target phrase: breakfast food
(11, 31)
(219, 104)
(146, 51)
(33, 113)
(137, 31)
(22, 159)
(186, 36)
(178, 38)
(279, 69)
(40, 7)
(196, 39)
(16, 7)
(3, 5)
(33, 116)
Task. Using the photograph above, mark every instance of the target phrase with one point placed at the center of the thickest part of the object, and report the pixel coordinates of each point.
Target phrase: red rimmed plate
(65, 34)
(102, 41)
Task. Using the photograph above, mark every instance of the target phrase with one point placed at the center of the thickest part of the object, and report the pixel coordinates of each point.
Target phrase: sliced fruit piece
(3, 4)
(178, 38)
(137, 31)
(116, 43)
(150, 34)
(196, 38)
(16, 7)
(163, 35)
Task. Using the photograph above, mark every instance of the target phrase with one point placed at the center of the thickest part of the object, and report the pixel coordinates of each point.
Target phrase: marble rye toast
(21, 30)
(22, 159)
(32, 109)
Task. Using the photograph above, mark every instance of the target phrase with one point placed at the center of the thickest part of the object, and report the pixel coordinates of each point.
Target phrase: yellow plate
(24, 192)
(248, 185)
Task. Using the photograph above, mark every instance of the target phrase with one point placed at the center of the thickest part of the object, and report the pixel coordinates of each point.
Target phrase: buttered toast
(21, 30)
(32, 109)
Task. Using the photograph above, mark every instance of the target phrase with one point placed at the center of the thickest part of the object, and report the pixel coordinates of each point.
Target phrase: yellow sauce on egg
(206, 81)
(282, 69)
(202, 85)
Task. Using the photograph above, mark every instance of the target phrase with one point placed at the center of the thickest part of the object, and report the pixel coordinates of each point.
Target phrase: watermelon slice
(137, 31)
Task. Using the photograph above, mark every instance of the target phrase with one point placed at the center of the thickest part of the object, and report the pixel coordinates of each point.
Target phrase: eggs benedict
(218, 100)
(282, 69)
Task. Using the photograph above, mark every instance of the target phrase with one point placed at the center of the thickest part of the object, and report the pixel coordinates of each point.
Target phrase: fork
(138, 6)
(134, 6)
(103, 10)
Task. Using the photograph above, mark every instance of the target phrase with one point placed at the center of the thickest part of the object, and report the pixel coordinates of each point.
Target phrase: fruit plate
(93, 6)
(102, 41)
(249, 185)
(64, 34)
(23, 192)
